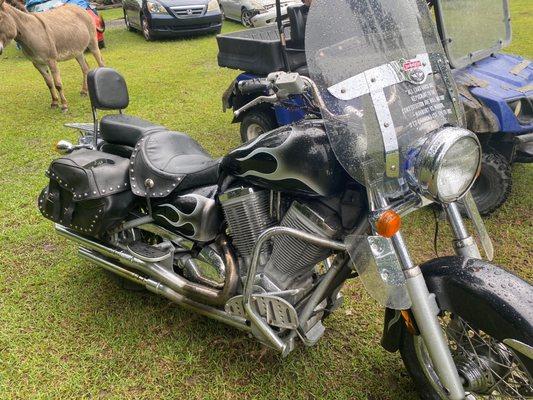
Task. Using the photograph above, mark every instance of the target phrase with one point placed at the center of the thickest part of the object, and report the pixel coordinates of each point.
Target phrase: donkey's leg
(43, 69)
(85, 70)
(95, 50)
(58, 84)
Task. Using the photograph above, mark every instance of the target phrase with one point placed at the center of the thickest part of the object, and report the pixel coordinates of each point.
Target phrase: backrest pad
(107, 89)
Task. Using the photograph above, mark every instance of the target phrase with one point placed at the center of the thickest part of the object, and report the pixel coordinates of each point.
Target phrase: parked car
(254, 13)
(171, 18)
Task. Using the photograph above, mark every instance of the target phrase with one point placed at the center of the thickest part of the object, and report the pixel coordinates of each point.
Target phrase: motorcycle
(265, 238)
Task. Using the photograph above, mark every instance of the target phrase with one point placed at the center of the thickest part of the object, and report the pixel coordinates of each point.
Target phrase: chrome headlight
(213, 6)
(155, 8)
(448, 164)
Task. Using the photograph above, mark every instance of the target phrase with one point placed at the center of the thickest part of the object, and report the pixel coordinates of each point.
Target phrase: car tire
(255, 123)
(146, 31)
(127, 22)
(246, 17)
(494, 184)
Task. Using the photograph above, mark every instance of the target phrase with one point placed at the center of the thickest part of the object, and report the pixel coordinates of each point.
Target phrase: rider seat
(108, 91)
(165, 161)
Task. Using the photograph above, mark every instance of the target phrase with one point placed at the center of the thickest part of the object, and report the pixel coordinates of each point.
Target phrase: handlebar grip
(258, 85)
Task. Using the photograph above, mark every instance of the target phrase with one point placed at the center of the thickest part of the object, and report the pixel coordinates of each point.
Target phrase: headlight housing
(523, 110)
(155, 8)
(213, 6)
(448, 164)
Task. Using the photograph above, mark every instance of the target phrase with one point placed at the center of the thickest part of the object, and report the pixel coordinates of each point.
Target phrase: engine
(287, 263)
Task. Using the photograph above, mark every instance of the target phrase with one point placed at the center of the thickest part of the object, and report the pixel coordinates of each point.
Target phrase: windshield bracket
(374, 82)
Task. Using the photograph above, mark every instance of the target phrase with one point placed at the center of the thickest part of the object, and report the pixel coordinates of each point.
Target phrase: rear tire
(127, 22)
(255, 123)
(494, 184)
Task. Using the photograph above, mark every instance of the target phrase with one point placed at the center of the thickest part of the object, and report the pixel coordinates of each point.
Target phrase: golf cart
(496, 89)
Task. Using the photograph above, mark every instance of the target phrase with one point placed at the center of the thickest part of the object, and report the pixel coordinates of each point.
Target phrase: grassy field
(68, 332)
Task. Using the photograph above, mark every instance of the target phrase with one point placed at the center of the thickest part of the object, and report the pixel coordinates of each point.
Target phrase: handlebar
(279, 86)
(259, 85)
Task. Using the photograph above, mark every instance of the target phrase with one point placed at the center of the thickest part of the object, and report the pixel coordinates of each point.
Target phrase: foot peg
(147, 253)
(275, 310)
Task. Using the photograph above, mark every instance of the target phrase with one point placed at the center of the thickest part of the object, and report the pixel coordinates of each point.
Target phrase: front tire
(246, 18)
(480, 359)
(255, 123)
(146, 31)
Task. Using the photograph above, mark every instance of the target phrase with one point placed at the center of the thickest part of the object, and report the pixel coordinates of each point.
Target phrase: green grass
(112, 13)
(67, 331)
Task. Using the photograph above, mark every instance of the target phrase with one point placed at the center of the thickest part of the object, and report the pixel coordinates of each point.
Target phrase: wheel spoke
(491, 369)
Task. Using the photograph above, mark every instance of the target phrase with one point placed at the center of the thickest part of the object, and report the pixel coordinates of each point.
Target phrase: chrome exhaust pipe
(176, 283)
(162, 290)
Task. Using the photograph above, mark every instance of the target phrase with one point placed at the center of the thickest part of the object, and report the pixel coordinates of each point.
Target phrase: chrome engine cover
(247, 213)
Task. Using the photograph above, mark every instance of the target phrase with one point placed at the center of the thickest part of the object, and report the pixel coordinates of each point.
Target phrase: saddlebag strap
(54, 198)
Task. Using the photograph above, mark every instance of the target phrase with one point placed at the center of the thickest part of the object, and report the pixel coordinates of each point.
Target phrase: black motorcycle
(264, 238)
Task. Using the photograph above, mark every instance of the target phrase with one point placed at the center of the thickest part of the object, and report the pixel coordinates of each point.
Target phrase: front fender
(489, 297)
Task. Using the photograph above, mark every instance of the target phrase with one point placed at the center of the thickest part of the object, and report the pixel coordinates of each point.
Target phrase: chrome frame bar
(257, 321)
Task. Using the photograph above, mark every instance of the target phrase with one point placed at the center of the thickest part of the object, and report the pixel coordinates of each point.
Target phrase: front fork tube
(425, 311)
(464, 244)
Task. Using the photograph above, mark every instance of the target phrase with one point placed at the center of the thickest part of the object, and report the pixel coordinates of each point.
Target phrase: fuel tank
(296, 159)
(193, 214)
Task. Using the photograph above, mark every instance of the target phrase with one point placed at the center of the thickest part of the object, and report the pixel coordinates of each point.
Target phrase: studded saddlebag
(88, 192)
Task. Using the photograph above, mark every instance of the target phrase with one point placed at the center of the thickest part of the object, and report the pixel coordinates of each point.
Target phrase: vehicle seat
(298, 20)
(169, 161)
(125, 129)
(108, 91)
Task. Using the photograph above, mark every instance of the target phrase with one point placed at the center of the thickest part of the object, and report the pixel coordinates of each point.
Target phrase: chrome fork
(425, 311)
(424, 305)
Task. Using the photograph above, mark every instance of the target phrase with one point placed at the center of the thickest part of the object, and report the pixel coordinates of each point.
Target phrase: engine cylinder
(248, 215)
(293, 259)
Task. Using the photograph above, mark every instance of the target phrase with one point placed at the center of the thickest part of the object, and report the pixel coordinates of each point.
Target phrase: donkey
(57, 35)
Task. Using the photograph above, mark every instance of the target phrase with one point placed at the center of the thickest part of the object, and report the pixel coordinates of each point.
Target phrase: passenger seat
(120, 132)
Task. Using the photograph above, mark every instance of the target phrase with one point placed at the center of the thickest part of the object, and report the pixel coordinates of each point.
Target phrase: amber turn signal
(388, 223)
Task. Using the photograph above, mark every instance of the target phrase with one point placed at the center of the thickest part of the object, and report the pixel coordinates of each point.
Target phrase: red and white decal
(411, 65)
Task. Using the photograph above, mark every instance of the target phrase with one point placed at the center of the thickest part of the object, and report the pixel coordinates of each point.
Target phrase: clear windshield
(474, 29)
(385, 82)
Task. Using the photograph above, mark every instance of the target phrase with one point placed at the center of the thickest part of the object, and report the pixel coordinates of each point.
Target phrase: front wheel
(246, 18)
(147, 32)
(488, 368)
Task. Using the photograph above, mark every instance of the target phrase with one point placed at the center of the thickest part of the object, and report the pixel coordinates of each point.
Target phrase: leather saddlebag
(88, 192)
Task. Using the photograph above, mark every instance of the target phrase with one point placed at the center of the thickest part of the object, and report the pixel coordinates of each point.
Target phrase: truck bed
(257, 51)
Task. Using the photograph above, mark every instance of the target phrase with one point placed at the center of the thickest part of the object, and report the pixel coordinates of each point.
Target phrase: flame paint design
(194, 218)
(282, 172)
